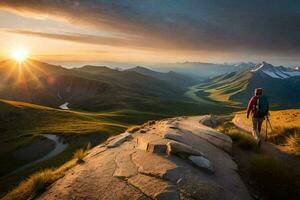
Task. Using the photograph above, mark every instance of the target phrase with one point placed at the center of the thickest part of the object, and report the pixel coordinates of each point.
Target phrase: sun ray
(30, 71)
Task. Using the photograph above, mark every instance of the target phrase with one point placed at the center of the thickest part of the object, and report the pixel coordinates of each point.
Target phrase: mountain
(87, 87)
(199, 69)
(98, 88)
(280, 84)
(42, 83)
(171, 77)
(276, 72)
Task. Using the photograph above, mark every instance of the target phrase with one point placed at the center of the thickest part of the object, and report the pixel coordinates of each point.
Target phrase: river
(60, 146)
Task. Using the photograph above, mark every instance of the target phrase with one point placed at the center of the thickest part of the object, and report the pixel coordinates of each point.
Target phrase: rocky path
(176, 158)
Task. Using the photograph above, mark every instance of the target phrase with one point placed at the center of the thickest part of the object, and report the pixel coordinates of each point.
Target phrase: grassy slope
(286, 128)
(222, 88)
(235, 89)
(281, 118)
(22, 123)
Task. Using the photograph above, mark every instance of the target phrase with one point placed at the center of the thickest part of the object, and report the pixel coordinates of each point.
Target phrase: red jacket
(252, 107)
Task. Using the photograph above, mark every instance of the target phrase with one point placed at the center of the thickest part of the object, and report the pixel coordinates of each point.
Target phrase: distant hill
(99, 88)
(90, 87)
(171, 77)
(24, 127)
(280, 84)
(199, 69)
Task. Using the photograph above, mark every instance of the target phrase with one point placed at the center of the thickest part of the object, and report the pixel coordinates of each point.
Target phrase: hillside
(280, 84)
(52, 85)
(279, 119)
(26, 130)
(171, 77)
(284, 130)
(96, 88)
(199, 69)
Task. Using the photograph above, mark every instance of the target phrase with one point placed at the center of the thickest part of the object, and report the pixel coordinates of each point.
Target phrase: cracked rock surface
(176, 158)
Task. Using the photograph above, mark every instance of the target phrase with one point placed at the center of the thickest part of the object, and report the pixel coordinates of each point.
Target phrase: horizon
(122, 66)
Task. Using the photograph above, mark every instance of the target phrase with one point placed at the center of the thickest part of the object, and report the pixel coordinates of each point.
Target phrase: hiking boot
(259, 143)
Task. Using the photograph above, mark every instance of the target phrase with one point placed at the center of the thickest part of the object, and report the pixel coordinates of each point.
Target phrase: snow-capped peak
(275, 72)
(262, 66)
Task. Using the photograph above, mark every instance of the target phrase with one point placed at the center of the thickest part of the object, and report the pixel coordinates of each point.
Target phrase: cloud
(254, 26)
(74, 37)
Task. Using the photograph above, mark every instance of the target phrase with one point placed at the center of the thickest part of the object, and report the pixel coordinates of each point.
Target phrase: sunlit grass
(243, 140)
(37, 182)
(222, 91)
(81, 153)
(285, 128)
(135, 128)
(293, 143)
(42, 119)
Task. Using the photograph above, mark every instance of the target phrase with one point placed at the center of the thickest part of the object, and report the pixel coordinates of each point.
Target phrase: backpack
(262, 106)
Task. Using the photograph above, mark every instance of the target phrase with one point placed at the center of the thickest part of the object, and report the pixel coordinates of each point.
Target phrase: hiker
(258, 106)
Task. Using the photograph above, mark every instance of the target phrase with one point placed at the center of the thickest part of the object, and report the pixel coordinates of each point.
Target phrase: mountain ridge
(280, 84)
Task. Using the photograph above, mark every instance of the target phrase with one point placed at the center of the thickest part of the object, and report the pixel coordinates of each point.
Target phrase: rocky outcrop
(176, 158)
(119, 140)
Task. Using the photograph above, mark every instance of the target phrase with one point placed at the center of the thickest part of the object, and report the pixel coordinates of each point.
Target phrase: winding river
(60, 146)
(192, 93)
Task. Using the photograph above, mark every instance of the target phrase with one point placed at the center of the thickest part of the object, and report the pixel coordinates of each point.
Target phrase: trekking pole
(266, 138)
(269, 123)
(268, 120)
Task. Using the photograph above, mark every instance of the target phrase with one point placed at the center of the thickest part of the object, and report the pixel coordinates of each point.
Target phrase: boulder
(174, 136)
(152, 143)
(180, 148)
(202, 163)
(157, 147)
(119, 140)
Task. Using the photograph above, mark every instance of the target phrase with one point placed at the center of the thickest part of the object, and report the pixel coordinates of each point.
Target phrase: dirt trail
(266, 146)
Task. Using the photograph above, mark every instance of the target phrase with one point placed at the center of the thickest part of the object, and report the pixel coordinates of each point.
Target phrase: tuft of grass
(274, 178)
(37, 182)
(289, 137)
(133, 129)
(244, 141)
(81, 153)
(293, 143)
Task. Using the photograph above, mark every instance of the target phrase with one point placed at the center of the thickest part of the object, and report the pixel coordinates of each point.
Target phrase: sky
(152, 31)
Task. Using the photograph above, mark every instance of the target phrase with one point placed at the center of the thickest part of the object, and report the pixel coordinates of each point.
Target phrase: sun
(19, 54)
